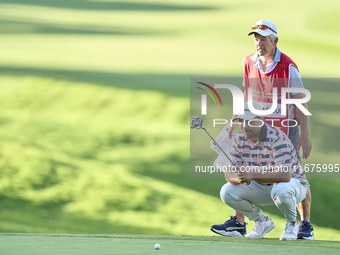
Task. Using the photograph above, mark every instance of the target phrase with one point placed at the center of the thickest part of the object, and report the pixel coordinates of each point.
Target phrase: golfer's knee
(226, 193)
(282, 195)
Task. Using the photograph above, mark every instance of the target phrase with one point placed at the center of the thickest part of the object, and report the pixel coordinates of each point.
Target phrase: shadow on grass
(173, 85)
(24, 27)
(330, 139)
(175, 170)
(20, 216)
(107, 6)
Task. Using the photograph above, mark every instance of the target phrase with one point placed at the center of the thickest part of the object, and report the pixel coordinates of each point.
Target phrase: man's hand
(231, 130)
(304, 140)
(244, 176)
(306, 144)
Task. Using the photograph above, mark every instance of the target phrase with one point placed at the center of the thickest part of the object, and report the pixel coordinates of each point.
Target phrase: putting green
(143, 244)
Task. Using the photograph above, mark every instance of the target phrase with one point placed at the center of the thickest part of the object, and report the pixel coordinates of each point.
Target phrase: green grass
(59, 177)
(94, 112)
(143, 244)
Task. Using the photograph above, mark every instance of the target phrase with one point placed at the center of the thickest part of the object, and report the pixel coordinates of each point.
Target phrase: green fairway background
(94, 110)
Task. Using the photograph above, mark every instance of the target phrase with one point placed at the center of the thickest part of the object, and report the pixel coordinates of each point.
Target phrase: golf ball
(157, 246)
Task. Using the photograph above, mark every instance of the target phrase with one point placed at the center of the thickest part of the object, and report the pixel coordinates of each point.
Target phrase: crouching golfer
(266, 157)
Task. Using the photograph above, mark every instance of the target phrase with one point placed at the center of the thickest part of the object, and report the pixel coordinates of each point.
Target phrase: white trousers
(285, 195)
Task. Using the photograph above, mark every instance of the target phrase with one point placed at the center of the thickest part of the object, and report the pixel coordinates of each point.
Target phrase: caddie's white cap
(271, 28)
(248, 115)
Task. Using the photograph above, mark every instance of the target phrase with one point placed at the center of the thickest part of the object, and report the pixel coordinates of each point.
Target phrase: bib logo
(238, 100)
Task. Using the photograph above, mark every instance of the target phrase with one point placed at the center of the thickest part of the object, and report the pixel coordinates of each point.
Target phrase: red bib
(263, 84)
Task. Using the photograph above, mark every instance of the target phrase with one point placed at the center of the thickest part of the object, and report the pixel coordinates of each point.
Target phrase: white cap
(248, 115)
(272, 29)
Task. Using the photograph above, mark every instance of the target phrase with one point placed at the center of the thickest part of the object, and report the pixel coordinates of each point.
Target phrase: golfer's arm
(304, 125)
(272, 177)
(231, 177)
(231, 173)
(233, 180)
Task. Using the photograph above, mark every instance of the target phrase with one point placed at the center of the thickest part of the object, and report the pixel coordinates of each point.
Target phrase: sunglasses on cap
(261, 27)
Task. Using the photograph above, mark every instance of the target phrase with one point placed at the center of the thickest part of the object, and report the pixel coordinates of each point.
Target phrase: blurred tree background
(94, 109)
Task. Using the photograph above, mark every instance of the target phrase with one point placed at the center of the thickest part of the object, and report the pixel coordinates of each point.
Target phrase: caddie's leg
(306, 230)
(239, 217)
(242, 197)
(304, 207)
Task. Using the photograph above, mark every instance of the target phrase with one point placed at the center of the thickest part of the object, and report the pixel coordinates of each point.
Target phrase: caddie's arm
(304, 140)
